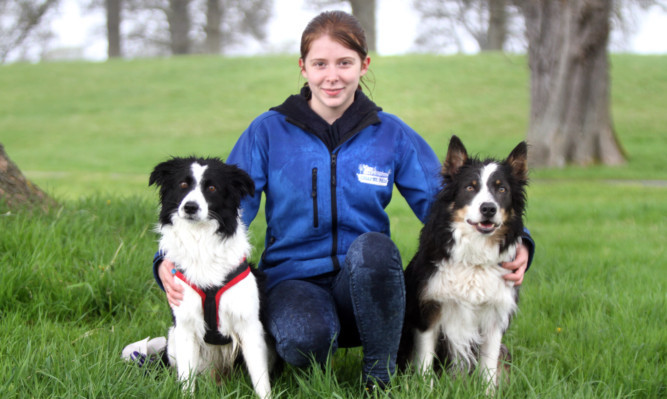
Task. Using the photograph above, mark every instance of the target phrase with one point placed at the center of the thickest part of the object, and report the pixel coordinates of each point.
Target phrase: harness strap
(210, 302)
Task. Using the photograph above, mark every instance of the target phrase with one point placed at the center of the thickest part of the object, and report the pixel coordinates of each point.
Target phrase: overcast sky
(76, 28)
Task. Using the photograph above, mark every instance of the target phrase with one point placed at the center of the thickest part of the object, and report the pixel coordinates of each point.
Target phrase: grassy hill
(77, 128)
(77, 284)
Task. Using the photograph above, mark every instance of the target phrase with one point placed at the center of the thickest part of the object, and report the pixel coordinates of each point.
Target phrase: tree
(492, 23)
(213, 28)
(242, 19)
(162, 27)
(364, 11)
(570, 121)
(113, 8)
(17, 191)
(496, 33)
(19, 20)
(178, 16)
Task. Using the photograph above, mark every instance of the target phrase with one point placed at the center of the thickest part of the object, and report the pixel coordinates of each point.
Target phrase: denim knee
(302, 319)
(374, 251)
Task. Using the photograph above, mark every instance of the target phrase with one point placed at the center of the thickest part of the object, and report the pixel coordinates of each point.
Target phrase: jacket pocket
(313, 194)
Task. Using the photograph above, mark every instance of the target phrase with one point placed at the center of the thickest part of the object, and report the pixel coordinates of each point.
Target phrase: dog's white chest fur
(470, 286)
(204, 256)
(472, 275)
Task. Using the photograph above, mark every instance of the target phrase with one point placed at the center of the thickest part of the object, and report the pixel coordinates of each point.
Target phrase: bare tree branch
(19, 18)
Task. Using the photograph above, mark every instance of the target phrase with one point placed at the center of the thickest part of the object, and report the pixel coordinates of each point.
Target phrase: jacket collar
(362, 113)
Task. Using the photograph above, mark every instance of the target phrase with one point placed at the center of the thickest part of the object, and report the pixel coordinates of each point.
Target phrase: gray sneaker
(145, 351)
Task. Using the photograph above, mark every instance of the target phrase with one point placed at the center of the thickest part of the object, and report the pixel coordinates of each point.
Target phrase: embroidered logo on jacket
(369, 175)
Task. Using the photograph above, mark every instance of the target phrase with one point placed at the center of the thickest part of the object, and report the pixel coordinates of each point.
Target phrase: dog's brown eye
(502, 189)
(183, 185)
(211, 189)
(470, 188)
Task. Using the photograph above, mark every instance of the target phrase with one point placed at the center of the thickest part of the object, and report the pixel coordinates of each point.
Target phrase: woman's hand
(173, 289)
(518, 266)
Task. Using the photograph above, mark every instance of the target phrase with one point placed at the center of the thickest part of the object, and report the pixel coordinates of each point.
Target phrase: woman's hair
(341, 27)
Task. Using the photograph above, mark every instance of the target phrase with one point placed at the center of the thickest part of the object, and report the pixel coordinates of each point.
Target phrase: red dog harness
(210, 302)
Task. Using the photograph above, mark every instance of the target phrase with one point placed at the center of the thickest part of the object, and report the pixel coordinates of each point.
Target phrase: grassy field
(77, 286)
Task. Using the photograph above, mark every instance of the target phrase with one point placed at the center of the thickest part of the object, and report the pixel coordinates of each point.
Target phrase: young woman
(327, 160)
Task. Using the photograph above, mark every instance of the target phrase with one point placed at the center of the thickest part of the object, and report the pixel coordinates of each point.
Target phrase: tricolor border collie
(202, 233)
(458, 304)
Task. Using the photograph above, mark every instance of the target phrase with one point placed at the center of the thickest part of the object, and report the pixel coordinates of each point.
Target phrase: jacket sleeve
(157, 259)
(249, 154)
(417, 173)
(530, 244)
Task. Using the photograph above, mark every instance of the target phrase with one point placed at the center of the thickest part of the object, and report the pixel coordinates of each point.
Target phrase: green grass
(77, 128)
(77, 287)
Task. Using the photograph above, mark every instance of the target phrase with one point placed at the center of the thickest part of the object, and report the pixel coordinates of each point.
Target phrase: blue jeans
(364, 304)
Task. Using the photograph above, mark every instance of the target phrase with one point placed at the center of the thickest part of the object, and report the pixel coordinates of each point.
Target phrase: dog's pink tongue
(485, 228)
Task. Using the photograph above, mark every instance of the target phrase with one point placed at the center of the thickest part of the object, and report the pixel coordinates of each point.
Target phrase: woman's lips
(332, 92)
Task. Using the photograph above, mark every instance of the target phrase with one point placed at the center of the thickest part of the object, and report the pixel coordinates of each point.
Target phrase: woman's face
(333, 72)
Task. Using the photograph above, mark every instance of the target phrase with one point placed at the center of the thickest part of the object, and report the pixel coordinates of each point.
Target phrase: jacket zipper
(314, 196)
(334, 214)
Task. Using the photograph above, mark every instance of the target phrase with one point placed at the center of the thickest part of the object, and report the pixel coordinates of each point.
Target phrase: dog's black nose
(190, 207)
(488, 209)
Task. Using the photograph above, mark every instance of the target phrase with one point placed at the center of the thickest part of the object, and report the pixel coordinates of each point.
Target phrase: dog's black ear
(162, 171)
(243, 182)
(158, 174)
(518, 161)
(456, 157)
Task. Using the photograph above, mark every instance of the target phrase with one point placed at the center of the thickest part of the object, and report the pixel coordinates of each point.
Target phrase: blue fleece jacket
(327, 184)
(318, 201)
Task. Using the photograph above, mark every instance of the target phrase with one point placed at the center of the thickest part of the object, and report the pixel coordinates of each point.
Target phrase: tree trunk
(15, 190)
(570, 121)
(213, 42)
(496, 33)
(179, 26)
(113, 28)
(364, 11)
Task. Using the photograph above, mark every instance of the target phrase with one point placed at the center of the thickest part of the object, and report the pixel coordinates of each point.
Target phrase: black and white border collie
(202, 233)
(458, 304)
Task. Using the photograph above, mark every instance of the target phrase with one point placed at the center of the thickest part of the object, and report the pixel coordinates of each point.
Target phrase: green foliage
(77, 286)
